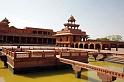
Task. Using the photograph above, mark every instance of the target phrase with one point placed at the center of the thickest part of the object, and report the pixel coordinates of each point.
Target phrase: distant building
(28, 35)
(69, 36)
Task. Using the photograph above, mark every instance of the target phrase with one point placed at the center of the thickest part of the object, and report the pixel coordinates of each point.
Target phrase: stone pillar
(83, 39)
(26, 40)
(19, 39)
(42, 40)
(94, 46)
(14, 54)
(78, 45)
(4, 59)
(74, 45)
(12, 39)
(100, 46)
(109, 47)
(37, 40)
(116, 47)
(88, 46)
(83, 46)
(46, 40)
(77, 70)
(52, 41)
(78, 74)
(5, 38)
(2, 38)
(86, 39)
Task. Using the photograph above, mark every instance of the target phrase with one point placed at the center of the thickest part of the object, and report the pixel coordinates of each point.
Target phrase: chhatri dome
(5, 20)
(71, 23)
(71, 19)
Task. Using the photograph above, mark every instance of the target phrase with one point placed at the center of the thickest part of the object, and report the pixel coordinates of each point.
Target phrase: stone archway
(91, 46)
(97, 46)
(72, 45)
(76, 45)
(86, 46)
(104, 46)
(66, 45)
(81, 46)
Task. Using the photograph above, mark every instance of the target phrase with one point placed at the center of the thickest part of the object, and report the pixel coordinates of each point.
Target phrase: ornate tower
(70, 34)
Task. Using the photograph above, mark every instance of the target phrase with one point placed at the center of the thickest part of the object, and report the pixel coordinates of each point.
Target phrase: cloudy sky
(98, 18)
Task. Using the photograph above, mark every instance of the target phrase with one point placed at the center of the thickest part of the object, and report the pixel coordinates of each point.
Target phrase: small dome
(5, 20)
(71, 19)
(13, 27)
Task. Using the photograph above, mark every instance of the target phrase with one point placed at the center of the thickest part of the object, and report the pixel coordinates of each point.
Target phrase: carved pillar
(19, 40)
(83, 45)
(37, 40)
(78, 45)
(117, 47)
(2, 39)
(83, 39)
(42, 40)
(100, 46)
(46, 40)
(74, 45)
(26, 40)
(109, 47)
(5, 39)
(94, 46)
(77, 70)
(4, 59)
(88, 46)
(12, 39)
(69, 45)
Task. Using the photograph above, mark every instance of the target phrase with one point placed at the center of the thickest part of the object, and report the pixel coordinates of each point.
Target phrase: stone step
(115, 59)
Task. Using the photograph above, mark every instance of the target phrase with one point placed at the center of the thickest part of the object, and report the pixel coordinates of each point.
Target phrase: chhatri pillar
(77, 70)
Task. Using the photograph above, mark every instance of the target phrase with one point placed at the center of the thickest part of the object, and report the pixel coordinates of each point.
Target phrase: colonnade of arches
(91, 46)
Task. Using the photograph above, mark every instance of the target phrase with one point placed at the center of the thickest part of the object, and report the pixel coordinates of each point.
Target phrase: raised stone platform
(25, 58)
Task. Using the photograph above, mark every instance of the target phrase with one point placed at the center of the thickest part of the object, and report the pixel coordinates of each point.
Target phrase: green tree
(103, 39)
(114, 37)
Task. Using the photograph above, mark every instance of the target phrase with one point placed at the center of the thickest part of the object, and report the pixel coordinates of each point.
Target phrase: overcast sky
(98, 18)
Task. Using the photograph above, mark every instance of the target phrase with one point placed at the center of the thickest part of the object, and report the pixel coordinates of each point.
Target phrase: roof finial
(71, 19)
(5, 20)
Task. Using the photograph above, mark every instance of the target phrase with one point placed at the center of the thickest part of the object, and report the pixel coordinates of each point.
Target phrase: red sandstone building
(28, 35)
(69, 36)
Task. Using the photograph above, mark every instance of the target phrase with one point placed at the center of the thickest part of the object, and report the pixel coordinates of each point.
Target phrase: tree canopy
(111, 38)
(115, 37)
(103, 39)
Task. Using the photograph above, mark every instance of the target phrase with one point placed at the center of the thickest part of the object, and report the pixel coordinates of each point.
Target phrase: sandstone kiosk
(70, 34)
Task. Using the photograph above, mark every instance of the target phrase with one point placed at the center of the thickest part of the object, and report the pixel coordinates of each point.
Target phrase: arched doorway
(91, 46)
(97, 46)
(72, 45)
(104, 46)
(86, 46)
(76, 45)
(81, 45)
(66, 45)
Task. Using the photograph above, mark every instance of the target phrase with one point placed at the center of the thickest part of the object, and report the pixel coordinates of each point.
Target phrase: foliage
(115, 37)
(103, 39)
(111, 38)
